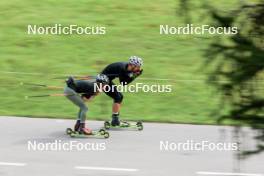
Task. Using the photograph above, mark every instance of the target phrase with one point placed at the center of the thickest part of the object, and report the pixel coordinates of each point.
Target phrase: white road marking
(105, 169)
(226, 173)
(12, 164)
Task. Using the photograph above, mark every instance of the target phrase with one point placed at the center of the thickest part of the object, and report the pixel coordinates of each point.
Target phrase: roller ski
(81, 132)
(94, 134)
(124, 125)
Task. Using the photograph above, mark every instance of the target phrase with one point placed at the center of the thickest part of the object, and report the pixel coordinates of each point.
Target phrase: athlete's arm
(128, 78)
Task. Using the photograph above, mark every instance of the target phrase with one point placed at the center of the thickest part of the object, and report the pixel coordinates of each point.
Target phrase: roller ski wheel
(124, 125)
(107, 125)
(69, 131)
(140, 126)
(104, 133)
(95, 134)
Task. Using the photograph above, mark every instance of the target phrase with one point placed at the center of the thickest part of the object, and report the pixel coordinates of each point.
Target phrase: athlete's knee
(118, 98)
(84, 109)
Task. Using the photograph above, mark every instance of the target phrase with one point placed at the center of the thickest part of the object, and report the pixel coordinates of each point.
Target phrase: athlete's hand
(85, 99)
(139, 72)
(135, 73)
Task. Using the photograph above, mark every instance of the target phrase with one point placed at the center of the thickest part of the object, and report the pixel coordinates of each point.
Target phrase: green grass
(132, 29)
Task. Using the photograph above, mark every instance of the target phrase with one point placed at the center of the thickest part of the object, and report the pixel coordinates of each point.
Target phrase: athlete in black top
(119, 70)
(126, 72)
(80, 91)
(86, 88)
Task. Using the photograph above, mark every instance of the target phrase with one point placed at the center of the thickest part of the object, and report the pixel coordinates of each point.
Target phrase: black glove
(139, 72)
(85, 96)
(70, 83)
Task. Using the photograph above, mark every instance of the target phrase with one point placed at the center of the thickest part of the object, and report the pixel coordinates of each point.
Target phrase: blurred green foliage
(132, 29)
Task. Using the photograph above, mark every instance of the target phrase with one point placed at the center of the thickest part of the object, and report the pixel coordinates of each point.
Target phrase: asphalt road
(125, 153)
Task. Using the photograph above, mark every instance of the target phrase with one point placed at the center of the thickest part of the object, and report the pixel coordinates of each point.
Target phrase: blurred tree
(184, 10)
(238, 62)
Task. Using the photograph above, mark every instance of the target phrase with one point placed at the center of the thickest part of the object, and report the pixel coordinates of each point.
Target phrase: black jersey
(119, 70)
(86, 88)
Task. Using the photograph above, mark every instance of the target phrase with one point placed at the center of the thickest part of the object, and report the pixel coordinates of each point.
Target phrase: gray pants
(76, 99)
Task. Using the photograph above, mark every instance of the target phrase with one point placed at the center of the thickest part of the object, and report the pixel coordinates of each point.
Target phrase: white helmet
(135, 60)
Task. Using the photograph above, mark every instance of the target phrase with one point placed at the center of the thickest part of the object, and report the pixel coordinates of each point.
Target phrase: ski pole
(41, 85)
(76, 77)
(83, 77)
(50, 95)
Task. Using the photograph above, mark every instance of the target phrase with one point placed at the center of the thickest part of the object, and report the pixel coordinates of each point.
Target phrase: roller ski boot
(117, 124)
